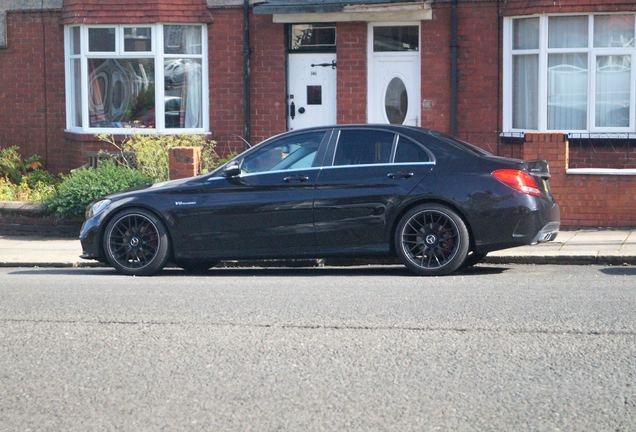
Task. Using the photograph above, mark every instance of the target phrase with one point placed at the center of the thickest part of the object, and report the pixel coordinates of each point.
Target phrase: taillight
(518, 180)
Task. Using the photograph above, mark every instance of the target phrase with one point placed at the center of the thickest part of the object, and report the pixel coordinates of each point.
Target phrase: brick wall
(435, 69)
(134, 11)
(268, 77)
(225, 61)
(585, 200)
(526, 7)
(614, 153)
(184, 162)
(32, 100)
(478, 102)
(351, 52)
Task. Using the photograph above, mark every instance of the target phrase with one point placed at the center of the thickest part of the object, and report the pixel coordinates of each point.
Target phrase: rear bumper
(547, 233)
(521, 221)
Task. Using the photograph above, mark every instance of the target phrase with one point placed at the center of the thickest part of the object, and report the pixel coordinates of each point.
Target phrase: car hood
(156, 187)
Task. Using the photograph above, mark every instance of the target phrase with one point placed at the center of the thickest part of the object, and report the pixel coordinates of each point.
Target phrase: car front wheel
(431, 240)
(136, 243)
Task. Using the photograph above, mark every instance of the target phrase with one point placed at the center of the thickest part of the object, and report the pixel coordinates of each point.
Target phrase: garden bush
(85, 185)
(150, 152)
(13, 167)
(7, 190)
(24, 179)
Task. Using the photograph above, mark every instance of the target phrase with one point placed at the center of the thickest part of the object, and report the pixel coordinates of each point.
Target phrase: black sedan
(349, 191)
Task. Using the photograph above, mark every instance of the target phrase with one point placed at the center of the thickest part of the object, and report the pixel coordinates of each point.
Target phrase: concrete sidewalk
(612, 247)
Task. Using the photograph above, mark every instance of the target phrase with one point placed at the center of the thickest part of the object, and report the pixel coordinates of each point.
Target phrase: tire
(136, 242)
(195, 267)
(431, 240)
(474, 258)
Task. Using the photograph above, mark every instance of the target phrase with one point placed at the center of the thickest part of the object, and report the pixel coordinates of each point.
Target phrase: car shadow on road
(619, 271)
(398, 271)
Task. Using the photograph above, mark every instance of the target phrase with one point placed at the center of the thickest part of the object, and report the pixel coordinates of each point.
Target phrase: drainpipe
(453, 69)
(247, 98)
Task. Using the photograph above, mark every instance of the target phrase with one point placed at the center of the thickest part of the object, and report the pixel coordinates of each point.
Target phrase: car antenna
(246, 142)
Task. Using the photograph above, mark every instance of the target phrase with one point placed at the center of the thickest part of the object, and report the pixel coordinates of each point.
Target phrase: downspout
(247, 86)
(44, 88)
(453, 69)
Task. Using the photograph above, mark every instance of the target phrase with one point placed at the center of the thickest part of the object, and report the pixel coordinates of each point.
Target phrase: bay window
(136, 78)
(570, 73)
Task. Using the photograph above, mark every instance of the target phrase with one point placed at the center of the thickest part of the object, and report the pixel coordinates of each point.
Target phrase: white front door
(311, 90)
(394, 74)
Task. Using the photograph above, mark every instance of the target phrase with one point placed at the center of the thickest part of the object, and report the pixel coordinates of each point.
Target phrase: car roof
(389, 127)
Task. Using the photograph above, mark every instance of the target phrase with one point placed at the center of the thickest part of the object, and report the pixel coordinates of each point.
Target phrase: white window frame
(157, 53)
(543, 51)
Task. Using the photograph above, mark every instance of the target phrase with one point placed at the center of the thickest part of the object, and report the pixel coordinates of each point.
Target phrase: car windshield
(461, 144)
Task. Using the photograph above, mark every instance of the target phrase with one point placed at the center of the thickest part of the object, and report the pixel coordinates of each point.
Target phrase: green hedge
(85, 185)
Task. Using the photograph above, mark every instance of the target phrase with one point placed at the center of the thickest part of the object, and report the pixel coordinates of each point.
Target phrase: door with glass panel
(311, 75)
(394, 74)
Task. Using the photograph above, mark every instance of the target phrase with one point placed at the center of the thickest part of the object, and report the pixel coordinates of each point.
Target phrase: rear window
(408, 151)
(461, 144)
(363, 147)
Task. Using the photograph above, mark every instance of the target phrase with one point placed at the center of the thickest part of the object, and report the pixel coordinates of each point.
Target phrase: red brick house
(494, 72)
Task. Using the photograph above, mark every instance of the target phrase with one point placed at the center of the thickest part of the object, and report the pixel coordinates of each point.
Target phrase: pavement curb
(563, 260)
(53, 264)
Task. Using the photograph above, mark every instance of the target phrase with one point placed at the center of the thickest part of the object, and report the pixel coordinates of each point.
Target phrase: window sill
(602, 171)
(573, 135)
(128, 131)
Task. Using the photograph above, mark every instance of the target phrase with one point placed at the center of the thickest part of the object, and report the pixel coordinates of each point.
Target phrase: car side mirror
(232, 169)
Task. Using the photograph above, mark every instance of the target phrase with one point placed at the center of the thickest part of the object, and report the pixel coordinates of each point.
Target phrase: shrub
(40, 177)
(85, 185)
(7, 190)
(151, 151)
(13, 167)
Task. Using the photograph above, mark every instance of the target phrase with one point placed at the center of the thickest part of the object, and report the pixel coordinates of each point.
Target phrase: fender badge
(184, 203)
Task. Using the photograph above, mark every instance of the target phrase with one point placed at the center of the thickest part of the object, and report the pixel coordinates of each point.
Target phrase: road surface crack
(334, 327)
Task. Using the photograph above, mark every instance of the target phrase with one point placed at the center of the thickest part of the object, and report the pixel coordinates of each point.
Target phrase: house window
(570, 73)
(312, 37)
(136, 78)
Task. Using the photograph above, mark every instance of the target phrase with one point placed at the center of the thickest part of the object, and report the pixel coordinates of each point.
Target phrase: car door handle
(399, 175)
(295, 179)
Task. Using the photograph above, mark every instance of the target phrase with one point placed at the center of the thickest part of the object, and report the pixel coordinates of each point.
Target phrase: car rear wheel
(136, 243)
(431, 240)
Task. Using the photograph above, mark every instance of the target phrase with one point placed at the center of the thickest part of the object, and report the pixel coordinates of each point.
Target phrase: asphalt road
(507, 348)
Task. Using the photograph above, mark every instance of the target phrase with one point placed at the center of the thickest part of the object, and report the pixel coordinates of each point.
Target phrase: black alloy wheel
(432, 239)
(136, 242)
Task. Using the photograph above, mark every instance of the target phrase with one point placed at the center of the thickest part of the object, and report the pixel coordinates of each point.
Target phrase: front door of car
(267, 209)
(373, 171)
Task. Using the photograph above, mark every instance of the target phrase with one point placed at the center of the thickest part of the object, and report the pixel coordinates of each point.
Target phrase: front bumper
(90, 238)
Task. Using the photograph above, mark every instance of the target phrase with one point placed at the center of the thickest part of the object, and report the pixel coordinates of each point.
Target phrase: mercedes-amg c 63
(358, 191)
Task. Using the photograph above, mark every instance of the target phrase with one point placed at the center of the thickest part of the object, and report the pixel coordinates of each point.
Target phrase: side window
(295, 152)
(408, 151)
(359, 147)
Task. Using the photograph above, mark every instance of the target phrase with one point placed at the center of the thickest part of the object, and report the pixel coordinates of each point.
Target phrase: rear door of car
(367, 174)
